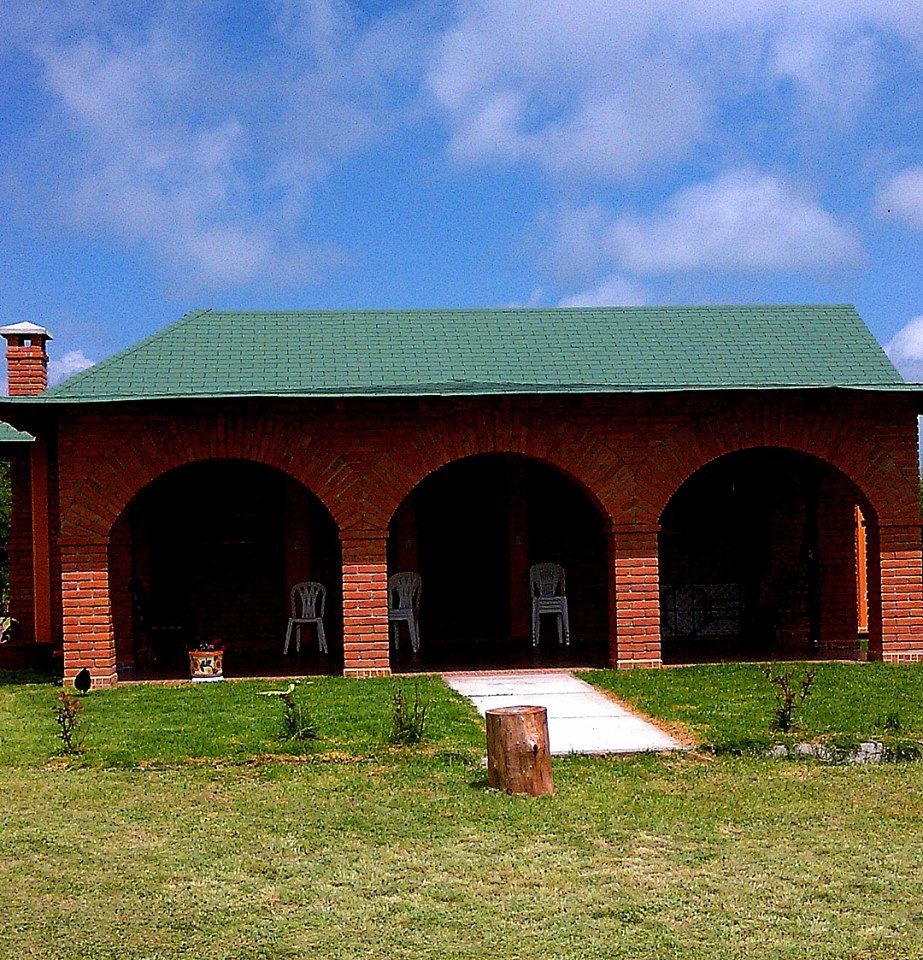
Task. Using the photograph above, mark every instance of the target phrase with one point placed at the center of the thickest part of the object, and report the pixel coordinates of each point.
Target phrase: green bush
(408, 717)
(298, 722)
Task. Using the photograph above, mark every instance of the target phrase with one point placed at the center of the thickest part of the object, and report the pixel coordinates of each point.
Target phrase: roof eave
(44, 401)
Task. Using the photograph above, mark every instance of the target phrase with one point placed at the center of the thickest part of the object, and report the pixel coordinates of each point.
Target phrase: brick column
(634, 597)
(901, 594)
(365, 603)
(88, 638)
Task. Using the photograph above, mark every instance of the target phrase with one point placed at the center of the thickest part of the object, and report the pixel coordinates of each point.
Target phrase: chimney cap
(25, 329)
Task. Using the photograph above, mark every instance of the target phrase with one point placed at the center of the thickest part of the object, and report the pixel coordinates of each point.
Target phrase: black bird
(83, 680)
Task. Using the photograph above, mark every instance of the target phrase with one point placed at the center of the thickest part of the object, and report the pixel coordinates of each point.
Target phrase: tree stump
(518, 755)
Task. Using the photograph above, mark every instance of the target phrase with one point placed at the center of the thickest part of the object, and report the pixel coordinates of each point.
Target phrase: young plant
(791, 691)
(408, 717)
(297, 720)
(67, 712)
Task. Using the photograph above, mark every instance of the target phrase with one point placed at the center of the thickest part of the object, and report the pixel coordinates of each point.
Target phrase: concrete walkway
(580, 718)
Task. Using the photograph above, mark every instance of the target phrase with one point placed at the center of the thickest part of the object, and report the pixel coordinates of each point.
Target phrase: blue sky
(311, 153)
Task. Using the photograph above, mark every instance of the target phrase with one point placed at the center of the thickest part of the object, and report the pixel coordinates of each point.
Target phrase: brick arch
(879, 479)
(575, 452)
(91, 503)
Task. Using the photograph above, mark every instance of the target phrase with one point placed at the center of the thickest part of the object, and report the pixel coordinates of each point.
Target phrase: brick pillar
(901, 594)
(88, 637)
(634, 598)
(365, 603)
(26, 358)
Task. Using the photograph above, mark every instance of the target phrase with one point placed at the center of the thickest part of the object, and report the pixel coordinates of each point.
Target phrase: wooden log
(518, 755)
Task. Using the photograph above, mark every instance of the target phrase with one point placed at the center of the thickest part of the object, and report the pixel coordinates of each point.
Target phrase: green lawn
(726, 706)
(187, 832)
(155, 725)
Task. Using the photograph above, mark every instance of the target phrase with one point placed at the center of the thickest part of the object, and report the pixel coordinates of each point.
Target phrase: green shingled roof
(214, 353)
(10, 434)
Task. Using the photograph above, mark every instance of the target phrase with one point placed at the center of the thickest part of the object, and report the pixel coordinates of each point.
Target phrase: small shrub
(67, 713)
(298, 722)
(791, 692)
(408, 717)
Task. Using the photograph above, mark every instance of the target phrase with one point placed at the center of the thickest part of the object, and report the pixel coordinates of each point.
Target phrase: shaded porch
(209, 552)
(472, 530)
(764, 554)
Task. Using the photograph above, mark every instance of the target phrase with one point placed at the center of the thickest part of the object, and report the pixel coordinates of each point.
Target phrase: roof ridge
(646, 308)
(121, 354)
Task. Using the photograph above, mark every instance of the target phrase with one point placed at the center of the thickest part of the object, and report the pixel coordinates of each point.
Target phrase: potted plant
(206, 661)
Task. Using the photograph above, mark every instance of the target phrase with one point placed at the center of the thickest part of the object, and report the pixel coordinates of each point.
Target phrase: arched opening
(211, 550)
(472, 530)
(760, 558)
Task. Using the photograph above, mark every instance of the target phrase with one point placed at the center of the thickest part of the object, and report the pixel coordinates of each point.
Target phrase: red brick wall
(361, 458)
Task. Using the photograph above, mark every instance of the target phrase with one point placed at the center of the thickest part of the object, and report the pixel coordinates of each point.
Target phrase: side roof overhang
(10, 435)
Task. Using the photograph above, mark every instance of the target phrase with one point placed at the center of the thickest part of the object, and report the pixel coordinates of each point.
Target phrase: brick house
(697, 471)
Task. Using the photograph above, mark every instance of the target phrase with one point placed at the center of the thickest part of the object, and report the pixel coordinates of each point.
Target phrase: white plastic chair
(404, 591)
(308, 601)
(546, 583)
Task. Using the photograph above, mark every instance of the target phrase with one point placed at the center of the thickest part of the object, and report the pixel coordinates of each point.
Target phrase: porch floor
(241, 665)
(494, 653)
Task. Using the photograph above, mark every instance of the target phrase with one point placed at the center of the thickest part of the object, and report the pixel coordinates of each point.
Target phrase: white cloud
(582, 87)
(902, 197)
(614, 291)
(905, 349)
(208, 162)
(205, 156)
(151, 173)
(67, 365)
(562, 94)
(742, 220)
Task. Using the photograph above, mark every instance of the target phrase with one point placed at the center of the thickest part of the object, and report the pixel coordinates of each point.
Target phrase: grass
(725, 706)
(364, 850)
(153, 725)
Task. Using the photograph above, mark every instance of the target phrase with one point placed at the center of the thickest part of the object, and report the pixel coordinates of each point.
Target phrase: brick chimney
(26, 358)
